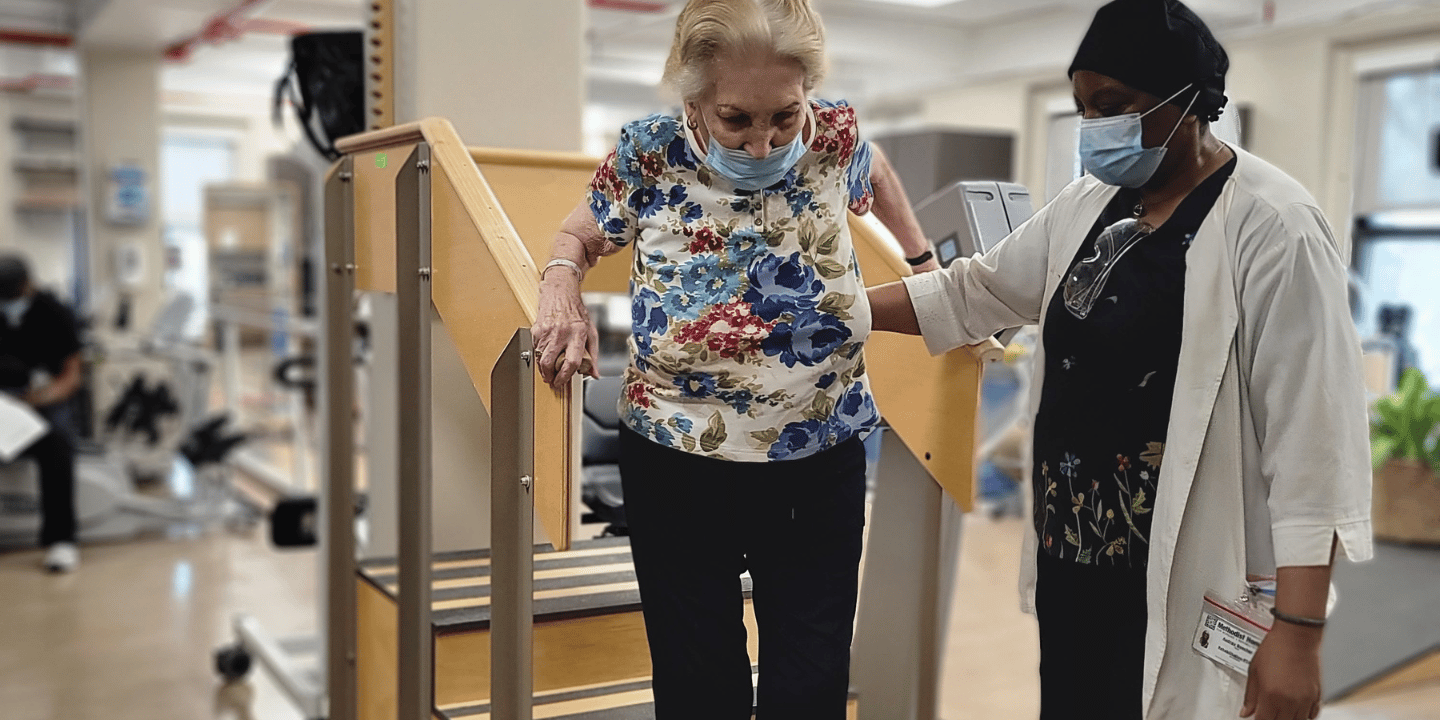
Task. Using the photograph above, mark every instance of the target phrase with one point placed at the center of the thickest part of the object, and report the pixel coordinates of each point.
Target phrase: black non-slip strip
(558, 697)
(541, 563)
(542, 549)
(469, 619)
(560, 583)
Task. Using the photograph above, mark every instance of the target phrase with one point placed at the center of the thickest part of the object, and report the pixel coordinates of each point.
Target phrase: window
(189, 161)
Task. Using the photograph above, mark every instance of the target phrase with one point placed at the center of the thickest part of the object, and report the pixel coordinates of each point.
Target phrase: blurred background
(162, 168)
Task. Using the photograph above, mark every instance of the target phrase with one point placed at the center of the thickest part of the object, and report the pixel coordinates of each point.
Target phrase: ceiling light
(918, 3)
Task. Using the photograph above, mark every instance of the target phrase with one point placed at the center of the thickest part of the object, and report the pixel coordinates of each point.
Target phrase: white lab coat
(1267, 453)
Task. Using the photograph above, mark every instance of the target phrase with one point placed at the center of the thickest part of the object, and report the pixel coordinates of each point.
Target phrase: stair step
(629, 700)
(594, 578)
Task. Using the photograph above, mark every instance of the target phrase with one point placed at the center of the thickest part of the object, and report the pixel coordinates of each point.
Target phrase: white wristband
(562, 262)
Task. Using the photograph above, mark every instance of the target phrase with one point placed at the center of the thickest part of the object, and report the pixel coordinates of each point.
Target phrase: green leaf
(1071, 537)
(703, 175)
(829, 269)
(823, 405)
(1084, 558)
(1137, 504)
(714, 435)
(1382, 449)
(828, 241)
(768, 436)
(689, 442)
(836, 303)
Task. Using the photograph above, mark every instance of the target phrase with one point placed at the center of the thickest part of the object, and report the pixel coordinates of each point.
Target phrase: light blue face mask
(15, 310)
(1111, 148)
(748, 173)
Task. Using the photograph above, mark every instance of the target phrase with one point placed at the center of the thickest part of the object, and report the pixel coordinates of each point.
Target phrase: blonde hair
(789, 29)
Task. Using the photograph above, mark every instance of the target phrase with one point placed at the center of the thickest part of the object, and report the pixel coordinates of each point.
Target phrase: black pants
(1092, 640)
(55, 456)
(695, 525)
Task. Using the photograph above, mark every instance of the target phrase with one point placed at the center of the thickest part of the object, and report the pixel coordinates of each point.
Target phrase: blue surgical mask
(749, 173)
(15, 310)
(1111, 148)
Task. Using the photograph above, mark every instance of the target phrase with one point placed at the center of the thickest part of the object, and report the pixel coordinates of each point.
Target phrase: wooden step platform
(588, 628)
(631, 700)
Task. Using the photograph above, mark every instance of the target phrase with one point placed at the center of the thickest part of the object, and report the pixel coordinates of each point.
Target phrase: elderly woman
(746, 388)
(1200, 417)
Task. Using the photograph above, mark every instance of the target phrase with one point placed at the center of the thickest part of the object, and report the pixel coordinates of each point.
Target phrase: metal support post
(412, 290)
(512, 528)
(338, 473)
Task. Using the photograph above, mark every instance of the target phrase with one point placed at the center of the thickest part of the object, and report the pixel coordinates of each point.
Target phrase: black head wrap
(1158, 46)
(14, 277)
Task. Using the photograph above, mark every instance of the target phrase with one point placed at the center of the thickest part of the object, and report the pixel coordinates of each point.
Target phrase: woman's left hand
(1284, 682)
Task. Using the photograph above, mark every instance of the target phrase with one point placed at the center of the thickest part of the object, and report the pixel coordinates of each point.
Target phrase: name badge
(1229, 633)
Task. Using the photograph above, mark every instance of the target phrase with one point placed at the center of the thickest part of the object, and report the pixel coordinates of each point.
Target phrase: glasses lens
(1086, 281)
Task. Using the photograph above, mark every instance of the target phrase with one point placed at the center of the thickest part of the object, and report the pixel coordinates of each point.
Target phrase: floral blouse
(749, 313)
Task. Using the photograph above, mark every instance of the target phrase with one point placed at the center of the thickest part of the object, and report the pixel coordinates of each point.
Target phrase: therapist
(1200, 415)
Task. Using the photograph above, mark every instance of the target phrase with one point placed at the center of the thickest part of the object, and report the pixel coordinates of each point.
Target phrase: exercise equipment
(412, 212)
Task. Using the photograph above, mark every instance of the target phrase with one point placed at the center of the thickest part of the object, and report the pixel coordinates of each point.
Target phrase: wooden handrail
(533, 158)
(383, 138)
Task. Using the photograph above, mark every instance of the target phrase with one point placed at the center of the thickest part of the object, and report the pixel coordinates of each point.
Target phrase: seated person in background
(37, 332)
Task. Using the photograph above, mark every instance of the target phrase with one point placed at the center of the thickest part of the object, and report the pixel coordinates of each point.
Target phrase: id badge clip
(1231, 629)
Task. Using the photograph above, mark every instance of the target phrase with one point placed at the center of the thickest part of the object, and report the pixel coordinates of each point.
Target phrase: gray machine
(970, 217)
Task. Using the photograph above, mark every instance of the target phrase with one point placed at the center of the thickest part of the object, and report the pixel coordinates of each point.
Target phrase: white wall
(44, 238)
(1298, 83)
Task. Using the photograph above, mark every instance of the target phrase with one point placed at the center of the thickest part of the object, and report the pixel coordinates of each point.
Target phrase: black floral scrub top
(1109, 382)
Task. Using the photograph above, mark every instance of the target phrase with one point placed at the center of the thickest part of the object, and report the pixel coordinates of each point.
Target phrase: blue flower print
(739, 399)
(703, 277)
(677, 196)
(638, 421)
(744, 246)
(647, 201)
(826, 380)
(856, 408)
(678, 153)
(627, 164)
(691, 212)
(796, 438)
(1070, 466)
(682, 423)
(801, 201)
(743, 203)
(600, 207)
(662, 435)
(808, 339)
(780, 285)
(696, 385)
(646, 313)
(681, 305)
(655, 133)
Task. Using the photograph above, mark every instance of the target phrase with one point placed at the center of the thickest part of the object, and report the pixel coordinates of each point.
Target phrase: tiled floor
(130, 635)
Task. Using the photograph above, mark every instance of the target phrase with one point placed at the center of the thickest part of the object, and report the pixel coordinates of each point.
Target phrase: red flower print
(1094, 484)
(652, 164)
(605, 180)
(635, 393)
(730, 330)
(706, 241)
(1123, 461)
(1049, 541)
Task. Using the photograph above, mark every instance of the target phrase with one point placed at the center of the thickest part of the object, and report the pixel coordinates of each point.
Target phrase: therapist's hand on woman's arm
(563, 324)
(892, 207)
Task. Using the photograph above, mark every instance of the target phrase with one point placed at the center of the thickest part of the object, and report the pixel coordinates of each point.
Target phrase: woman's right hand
(563, 327)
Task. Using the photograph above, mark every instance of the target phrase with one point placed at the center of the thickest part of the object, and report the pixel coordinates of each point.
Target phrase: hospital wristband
(562, 262)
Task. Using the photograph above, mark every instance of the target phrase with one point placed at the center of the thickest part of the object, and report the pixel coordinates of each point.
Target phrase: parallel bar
(412, 290)
(512, 528)
(338, 471)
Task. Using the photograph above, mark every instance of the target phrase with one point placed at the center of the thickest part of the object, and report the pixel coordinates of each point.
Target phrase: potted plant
(1407, 462)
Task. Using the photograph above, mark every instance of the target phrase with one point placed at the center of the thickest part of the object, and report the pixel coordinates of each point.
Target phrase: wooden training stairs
(485, 217)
